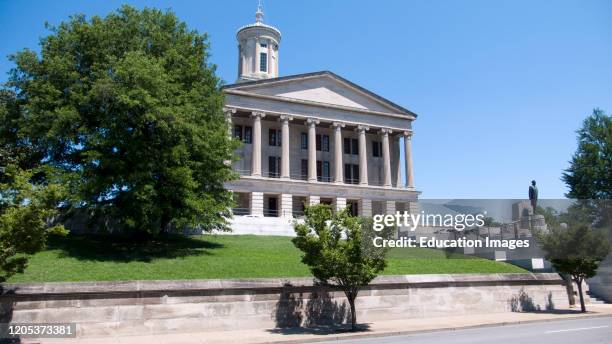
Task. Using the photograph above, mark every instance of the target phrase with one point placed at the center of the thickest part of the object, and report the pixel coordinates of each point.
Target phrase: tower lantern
(258, 49)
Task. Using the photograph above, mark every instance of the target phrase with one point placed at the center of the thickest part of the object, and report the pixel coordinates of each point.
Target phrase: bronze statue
(533, 195)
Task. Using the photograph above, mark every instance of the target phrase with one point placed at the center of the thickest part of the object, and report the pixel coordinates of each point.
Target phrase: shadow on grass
(125, 249)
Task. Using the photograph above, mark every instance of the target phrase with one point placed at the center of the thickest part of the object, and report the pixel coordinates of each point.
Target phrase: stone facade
(151, 307)
(312, 138)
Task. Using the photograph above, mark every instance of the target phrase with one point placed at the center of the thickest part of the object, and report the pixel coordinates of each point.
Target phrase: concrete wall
(147, 307)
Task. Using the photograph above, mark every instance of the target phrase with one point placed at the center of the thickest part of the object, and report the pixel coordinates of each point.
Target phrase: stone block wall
(149, 307)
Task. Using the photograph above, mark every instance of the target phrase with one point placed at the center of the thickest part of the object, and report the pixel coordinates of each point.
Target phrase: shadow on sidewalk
(523, 303)
(320, 314)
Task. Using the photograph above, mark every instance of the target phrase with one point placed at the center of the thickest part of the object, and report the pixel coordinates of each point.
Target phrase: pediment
(323, 88)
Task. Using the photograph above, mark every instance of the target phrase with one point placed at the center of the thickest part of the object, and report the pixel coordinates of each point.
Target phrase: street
(583, 331)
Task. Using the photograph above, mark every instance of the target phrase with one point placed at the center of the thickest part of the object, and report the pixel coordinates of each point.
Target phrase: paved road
(582, 331)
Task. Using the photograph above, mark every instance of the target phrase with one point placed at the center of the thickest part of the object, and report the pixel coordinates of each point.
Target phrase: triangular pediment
(323, 88)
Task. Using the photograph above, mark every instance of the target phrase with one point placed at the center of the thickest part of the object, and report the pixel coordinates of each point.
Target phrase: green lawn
(79, 258)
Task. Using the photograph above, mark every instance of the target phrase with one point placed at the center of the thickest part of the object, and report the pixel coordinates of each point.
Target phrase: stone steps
(593, 298)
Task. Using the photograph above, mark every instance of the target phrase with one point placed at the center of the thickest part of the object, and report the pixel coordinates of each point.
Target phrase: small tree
(576, 250)
(338, 249)
(25, 209)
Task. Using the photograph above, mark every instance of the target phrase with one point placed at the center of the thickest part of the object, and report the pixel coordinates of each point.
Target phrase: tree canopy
(590, 173)
(575, 250)
(129, 110)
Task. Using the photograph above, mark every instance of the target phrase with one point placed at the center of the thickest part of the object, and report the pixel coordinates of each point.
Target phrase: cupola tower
(258, 49)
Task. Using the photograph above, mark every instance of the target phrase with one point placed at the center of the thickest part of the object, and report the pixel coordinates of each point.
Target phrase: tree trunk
(582, 306)
(569, 286)
(164, 223)
(351, 296)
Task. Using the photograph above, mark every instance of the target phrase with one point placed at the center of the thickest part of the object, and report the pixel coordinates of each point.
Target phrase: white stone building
(310, 138)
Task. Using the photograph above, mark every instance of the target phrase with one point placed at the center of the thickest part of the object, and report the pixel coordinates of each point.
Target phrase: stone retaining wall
(146, 307)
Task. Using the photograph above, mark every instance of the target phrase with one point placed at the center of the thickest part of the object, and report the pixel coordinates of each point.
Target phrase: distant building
(312, 138)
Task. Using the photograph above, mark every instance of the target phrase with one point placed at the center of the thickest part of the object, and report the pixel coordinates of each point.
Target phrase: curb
(337, 338)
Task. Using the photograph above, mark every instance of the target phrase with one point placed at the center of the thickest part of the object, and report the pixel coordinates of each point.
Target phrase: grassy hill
(80, 258)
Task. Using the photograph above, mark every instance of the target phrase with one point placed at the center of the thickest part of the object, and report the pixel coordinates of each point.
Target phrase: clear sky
(499, 86)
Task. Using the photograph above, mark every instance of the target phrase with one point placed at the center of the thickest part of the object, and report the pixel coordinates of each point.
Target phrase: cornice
(317, 104)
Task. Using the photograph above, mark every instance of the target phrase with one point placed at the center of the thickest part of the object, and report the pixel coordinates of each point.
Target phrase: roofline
(324, 72)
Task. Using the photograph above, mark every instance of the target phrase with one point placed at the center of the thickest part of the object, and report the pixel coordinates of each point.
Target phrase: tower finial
(259, 14)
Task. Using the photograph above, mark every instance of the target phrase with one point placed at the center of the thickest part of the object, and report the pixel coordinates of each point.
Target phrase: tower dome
(257, 50)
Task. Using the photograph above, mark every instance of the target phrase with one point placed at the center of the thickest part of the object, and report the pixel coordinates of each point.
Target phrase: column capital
(229, 110)
(338, 125)
(385, 131)
(362, 128)
(312, 122)
(259, 114)
(285, 118)
(407, 134)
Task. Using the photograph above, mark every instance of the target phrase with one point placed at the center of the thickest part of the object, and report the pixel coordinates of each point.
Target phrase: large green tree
(339, 251)
(590, 173)
(589, 177)
(130, 110)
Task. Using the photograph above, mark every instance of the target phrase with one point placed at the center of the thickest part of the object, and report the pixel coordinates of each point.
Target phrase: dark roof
(325, 72)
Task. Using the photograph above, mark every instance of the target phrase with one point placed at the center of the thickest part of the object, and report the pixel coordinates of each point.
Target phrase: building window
(274, 137)
(263, 62)
(326, 172)
(248, 134)
(351, 146)
(376, 148)
(325, 143)
(304, 169)
(351, 173)
(304, 141)
(322, 143)
(323, 174)
(263, 45)
(353, 207)
(274, 163)
(238, 132)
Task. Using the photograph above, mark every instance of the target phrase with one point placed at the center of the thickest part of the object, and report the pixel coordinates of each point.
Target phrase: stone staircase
(592, 299)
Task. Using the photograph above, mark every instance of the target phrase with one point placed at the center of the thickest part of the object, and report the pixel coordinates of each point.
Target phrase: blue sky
(499, 86)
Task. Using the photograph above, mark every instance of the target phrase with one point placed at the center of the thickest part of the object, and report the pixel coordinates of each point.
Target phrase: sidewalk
(382, 328)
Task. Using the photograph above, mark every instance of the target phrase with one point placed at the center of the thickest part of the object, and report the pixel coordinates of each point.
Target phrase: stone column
(408, 158)
(286, 206)
(257, 48)
(338, 165)
(365, 207)
(312, 149)
(270, 59)
(390, 207)
(256, 160)
(276, 62)
(243, 64)
(363, 158)
(339, 203)
(314, 200)
(397, 182)
(229, 112)
(257, 206)
(386, 157)
(285, 173)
